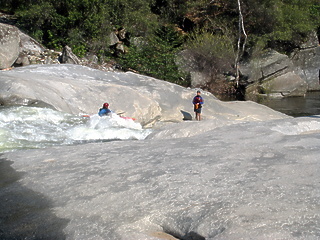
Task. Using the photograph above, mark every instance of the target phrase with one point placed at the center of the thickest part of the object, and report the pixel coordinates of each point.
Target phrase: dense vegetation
(159, 29)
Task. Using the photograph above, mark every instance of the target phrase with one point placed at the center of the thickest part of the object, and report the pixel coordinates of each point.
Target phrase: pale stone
(9, 45)
(289, 85)
(77, 89)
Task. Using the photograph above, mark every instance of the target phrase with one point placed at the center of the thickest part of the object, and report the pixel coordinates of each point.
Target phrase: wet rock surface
(254, 180)
(81, 90)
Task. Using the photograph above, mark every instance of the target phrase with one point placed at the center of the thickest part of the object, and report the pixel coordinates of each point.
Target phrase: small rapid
(23, 127)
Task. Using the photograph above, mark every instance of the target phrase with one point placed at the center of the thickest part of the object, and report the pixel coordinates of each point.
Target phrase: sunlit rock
(9, 45)
(253, 180)
(308, 61)
(288, 85)
(81, 90)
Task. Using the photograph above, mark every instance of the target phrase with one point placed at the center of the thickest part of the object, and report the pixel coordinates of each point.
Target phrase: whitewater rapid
(24, 127)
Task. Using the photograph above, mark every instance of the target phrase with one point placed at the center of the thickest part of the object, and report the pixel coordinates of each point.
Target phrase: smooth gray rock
(254, 180)
(68, 56)
(277, 74)
(312, 41)
(30, 45)
(288, 84)
(308, 61)
(113, 38)
(268, 65)
(81, 90)
(9, 45)
(231, 176)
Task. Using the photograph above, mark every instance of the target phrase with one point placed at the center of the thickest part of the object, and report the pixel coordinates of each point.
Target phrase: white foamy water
(296, 128)
(32, 127)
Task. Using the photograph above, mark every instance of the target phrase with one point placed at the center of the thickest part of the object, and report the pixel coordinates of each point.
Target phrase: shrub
(155, 56)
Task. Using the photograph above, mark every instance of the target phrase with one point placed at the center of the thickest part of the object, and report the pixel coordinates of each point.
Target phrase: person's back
(104, 111)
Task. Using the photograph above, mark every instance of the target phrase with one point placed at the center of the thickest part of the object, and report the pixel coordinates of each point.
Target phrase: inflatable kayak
(127, 118)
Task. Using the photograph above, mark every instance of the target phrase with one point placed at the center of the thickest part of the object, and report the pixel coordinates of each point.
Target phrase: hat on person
(106, 105)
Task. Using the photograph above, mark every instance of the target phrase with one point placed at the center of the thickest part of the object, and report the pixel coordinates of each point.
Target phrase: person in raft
(197, 104)
(104, 111)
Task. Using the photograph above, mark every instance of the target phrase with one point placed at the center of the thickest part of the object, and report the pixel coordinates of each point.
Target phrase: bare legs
(198, 116)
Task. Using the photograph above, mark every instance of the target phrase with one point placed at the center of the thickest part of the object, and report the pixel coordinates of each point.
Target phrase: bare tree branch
(240, 49)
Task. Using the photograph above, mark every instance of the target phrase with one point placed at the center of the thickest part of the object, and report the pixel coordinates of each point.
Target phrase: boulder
(187, 62)
(303, 62)
(308, 60)
(118, 40)
(252, 180)
(81, 90)
(268, 65)
(29, 45)
(276, 74)
(113, 38)
(18, 49)
(68, 56)
(288, 85)
(198, 79)
(9, 45)
(311, 42)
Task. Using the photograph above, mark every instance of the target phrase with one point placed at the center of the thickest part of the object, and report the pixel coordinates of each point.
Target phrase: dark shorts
(197, 110)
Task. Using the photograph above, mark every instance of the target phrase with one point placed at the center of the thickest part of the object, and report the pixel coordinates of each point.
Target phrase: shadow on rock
(186, 115)
(25, 214)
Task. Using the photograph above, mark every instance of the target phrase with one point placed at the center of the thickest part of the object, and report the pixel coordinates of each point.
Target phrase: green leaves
(280, 22)
(155, 56)
(85, 25)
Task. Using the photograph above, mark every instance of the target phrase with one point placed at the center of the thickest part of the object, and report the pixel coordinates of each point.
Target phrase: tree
(241, 43)
(155, 56)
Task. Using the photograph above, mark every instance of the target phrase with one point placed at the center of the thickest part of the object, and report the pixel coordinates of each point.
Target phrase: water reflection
(296, 106)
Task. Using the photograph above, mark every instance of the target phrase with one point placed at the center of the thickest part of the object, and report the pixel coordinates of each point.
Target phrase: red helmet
(105, 105)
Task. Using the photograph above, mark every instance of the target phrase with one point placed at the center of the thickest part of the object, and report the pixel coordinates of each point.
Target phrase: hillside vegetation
(157, 30)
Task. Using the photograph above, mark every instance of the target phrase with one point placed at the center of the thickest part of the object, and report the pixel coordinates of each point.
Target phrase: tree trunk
(240, 46)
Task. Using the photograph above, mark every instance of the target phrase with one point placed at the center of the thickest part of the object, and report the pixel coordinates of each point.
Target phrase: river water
(24, 127)
(296, 106)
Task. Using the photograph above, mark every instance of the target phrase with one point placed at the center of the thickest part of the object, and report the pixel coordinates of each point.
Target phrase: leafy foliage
(155, 56)
(85, 26)
(281, 22)
(212, 52)
(213, 55)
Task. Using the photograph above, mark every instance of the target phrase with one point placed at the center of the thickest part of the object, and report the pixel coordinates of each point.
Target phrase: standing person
(104, 111)
(197, 103)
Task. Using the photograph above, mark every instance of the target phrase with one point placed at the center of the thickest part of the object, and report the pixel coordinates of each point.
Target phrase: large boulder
(68, 56)
(9, 45)
(30, 45)
(253, 180)
(288, 85)
(268, 65)
(19, 49)
(31, 51)
(308, 60)
(81, 90)
(275, 67)
(274, 74)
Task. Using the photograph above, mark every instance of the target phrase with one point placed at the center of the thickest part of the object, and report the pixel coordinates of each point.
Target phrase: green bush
(155, 56)
(213, 53)
(281, 24)
(85, 26)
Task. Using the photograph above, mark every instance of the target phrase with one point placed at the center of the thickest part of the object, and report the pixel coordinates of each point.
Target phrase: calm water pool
(296, 106)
